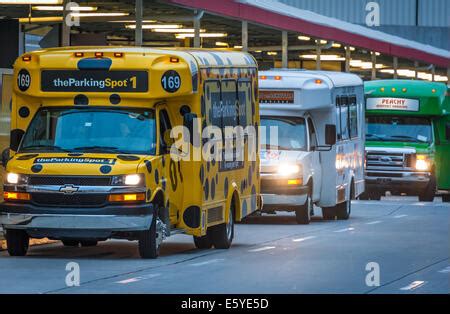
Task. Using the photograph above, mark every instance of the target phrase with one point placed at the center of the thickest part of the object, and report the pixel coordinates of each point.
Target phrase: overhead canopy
(278, 15)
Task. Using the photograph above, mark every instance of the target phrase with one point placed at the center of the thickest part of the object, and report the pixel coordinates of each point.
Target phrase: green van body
(406, 100)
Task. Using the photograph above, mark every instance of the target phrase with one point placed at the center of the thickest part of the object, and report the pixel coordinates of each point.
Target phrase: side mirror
(330, 134)
(5, 157)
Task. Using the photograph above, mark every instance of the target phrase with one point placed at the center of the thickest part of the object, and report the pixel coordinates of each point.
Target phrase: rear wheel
(328, 213)
(222, 235)
(343, 210)
(428, 194)
(70, 242)
(203, 242)
(303, 212)
(17, 242)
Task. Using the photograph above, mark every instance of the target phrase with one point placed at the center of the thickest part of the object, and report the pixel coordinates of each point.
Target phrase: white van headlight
(288, 169)
(14, 178)
(128, 179)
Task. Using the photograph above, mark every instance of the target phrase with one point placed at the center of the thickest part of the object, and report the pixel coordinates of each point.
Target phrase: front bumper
(76, 222)
(397, 180)
(278, 195)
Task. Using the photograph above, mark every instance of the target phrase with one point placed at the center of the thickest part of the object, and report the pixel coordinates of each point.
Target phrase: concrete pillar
(284, 50)
(416, 70)
(433, 72)
(348, 57)
(65, 27)
(138, 37)
(318, 53)
(395, 61)
(197, 39)
(244, 36)
(374, 66)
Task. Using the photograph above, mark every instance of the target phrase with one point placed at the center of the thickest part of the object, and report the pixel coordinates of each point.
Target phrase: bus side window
(344, 118)
(338, 118)
(353, 113)
(312, 135)
(245, 103)
(229, 101)
(164, 126)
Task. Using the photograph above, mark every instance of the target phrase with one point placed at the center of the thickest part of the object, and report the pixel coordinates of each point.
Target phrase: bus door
(171, 176)
(316, 166)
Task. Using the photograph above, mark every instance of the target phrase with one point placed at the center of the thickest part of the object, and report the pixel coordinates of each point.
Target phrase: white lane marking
(445, 270)
(303, 239)
(400, 216)
(345, 229)
(264, 248)
(414, 285)
(207, 262)
(136, 279)
(373, 222)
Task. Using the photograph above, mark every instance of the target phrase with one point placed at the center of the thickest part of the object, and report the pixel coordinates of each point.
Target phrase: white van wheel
(343, 210)
(303, 212)
(17, 242)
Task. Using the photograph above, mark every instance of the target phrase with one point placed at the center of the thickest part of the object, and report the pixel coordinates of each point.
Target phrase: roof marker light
(318, 81)
(433, 90)
(404, 89)
(98, 54)
(174, 60)
(118, 54)
(26, 58)
(393, 89)
(79, 54)
(278, 78)
(263, 77)
(382, 89)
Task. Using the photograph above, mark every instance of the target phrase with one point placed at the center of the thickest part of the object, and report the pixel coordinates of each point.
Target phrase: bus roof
(204, 57)
(432, 97)
(299, 79)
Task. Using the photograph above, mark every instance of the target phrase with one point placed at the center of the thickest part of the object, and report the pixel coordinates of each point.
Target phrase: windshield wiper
(97, 148)
(406, 137)
(53, 147)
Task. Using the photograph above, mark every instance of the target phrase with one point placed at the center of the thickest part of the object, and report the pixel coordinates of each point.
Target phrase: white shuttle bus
(312, 146)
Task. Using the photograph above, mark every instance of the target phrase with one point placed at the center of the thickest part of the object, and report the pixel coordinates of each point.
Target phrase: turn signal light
(135, 197)
(16, 196)
(294, 182)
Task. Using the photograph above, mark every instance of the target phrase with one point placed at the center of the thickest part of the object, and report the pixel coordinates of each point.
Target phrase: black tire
(303, 212)
(222, 235)
(70, 242)
(204, 242)
(148, 246)
(17, 242)
(446, 198)
(328, 213)
(343, 210)
(428, 194)
(87, 243)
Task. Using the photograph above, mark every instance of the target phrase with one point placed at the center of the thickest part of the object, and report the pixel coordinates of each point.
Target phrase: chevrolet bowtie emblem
(69, 189)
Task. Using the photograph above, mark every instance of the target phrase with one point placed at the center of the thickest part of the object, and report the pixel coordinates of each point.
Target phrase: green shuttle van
(407, 139)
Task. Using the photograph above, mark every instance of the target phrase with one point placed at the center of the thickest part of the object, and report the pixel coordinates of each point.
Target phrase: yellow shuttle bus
(93, 147)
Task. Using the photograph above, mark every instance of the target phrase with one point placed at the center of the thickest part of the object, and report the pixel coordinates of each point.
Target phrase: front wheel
(303, 212)
(150, 240)
(222, 235)
(17, 242)
(428, 194)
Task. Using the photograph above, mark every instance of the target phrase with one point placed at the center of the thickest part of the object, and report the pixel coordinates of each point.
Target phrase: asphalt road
(408, 240)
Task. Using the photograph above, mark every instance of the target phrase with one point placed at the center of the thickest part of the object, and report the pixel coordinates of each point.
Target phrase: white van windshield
(291, 133)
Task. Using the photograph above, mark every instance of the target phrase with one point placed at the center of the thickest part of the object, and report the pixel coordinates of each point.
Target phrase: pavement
(404, 241)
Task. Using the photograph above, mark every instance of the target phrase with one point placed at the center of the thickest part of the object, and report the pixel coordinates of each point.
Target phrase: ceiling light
(336, 45)
(324, 57)
(305, 38)
(221, 44)
(237, 47)
(99, 14)
(175, 30)
(203, 35)
(155, 26)
(272, 53)
(60, 8)
(31, 1)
